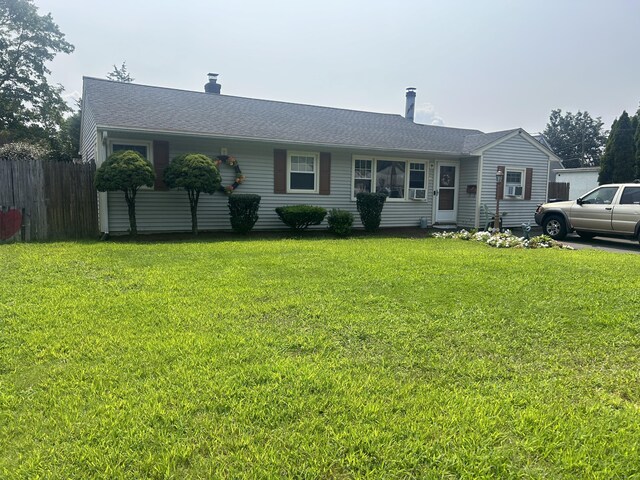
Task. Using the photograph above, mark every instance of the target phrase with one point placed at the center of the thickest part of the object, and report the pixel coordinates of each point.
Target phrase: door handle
(608, 208)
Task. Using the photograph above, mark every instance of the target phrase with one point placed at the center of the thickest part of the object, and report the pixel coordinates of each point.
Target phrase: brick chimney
(410, 109)
(212, 86)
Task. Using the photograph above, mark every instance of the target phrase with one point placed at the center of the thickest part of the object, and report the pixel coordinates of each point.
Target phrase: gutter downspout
(546, 190)
(479, 190)
(103, 197)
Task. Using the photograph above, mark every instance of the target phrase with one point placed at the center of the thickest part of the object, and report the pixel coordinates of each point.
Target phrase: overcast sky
(490, 64)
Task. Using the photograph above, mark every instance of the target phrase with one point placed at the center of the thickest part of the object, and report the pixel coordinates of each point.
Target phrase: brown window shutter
(528, 183)
(500, 186)
(160, 162)
(325, 173)
(279, 171)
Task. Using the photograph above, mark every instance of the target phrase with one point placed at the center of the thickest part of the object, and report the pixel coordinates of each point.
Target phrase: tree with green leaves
(577, 139)
(125, 171)
(22, 151)
(619, 159)
(195, 173)
(65, 145)
(30, 107)
(120, 74)
(637, 142)
(606, 167)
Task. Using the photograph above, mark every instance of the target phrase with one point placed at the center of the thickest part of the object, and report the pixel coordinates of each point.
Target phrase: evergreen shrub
(22, 151)
(340, 222)
(299, 217)
(243, 210)
(370, 209)
(127, 171)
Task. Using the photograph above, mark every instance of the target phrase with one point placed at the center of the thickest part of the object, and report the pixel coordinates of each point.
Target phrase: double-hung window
(302, 172)
(362, 176)
(143, 148)
(514, 183)
(393, 177)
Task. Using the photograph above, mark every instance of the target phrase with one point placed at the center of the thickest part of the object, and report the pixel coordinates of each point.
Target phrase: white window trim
(523, 183)
(353, 173)
(316, 171)
(374, 160)
(425, 173)
(141, 143)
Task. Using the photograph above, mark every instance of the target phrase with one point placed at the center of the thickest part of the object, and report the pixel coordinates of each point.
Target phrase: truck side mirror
(579, 201)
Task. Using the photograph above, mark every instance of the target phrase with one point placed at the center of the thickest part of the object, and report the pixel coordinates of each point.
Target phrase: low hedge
(299, 217)
(340, 222)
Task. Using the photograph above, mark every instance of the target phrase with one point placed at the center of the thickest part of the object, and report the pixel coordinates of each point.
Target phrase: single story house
(302, 154)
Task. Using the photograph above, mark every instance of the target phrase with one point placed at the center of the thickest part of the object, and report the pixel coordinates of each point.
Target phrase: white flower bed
(504, 239)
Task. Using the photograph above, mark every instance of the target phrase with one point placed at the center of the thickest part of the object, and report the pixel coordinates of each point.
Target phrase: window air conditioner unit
(418, 194)
(513, 191)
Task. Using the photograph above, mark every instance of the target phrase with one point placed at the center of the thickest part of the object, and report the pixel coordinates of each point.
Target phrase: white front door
(445, 192)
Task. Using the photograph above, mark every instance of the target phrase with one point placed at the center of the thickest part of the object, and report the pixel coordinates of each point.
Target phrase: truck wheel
(555, 227)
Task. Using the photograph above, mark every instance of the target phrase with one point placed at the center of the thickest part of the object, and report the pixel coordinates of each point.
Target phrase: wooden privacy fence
(558, 191)
(58, 200)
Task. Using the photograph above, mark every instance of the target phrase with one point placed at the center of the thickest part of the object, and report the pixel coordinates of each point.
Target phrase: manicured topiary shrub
(340, 222)
(370, 209)
(127, 171)
(243, 209)
(299, 217)
(196, 173)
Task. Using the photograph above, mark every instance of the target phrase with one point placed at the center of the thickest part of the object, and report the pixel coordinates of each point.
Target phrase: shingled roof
(118, 105)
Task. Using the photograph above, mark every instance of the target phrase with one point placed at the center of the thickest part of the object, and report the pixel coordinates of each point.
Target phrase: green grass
(315, 358)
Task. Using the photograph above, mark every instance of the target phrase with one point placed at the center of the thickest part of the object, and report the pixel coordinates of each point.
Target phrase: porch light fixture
(496, 219)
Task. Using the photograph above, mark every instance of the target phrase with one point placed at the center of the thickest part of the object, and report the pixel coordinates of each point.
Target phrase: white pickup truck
(609, 210)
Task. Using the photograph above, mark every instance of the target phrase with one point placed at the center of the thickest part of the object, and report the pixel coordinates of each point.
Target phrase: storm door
(445, 192)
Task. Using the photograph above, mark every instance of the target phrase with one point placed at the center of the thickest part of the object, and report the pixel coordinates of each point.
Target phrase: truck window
(601, 196)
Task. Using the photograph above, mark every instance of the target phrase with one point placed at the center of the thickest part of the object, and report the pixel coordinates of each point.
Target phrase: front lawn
(315, 358)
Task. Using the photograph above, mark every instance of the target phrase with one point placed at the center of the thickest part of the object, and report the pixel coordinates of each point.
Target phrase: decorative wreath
(232, 162)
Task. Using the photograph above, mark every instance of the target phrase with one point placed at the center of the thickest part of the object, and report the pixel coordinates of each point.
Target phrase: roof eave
(277, 140)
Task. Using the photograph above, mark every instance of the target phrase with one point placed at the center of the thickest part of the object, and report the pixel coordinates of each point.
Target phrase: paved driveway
(615, 245)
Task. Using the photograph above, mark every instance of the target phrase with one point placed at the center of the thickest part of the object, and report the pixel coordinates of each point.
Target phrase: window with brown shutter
(517, 183)
(528, 184)
(325, 173)
(279, 171)
(160, 162)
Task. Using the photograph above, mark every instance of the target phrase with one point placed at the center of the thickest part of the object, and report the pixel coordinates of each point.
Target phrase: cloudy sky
(490, 64)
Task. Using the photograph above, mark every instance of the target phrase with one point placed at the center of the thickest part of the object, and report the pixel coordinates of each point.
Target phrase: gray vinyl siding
(89, 135)
(467, 201)
(158, 211)
(515, 152)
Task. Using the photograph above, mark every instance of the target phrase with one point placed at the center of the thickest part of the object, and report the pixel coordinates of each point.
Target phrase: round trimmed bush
(340, 222)
(125, 170)
(299, 217)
